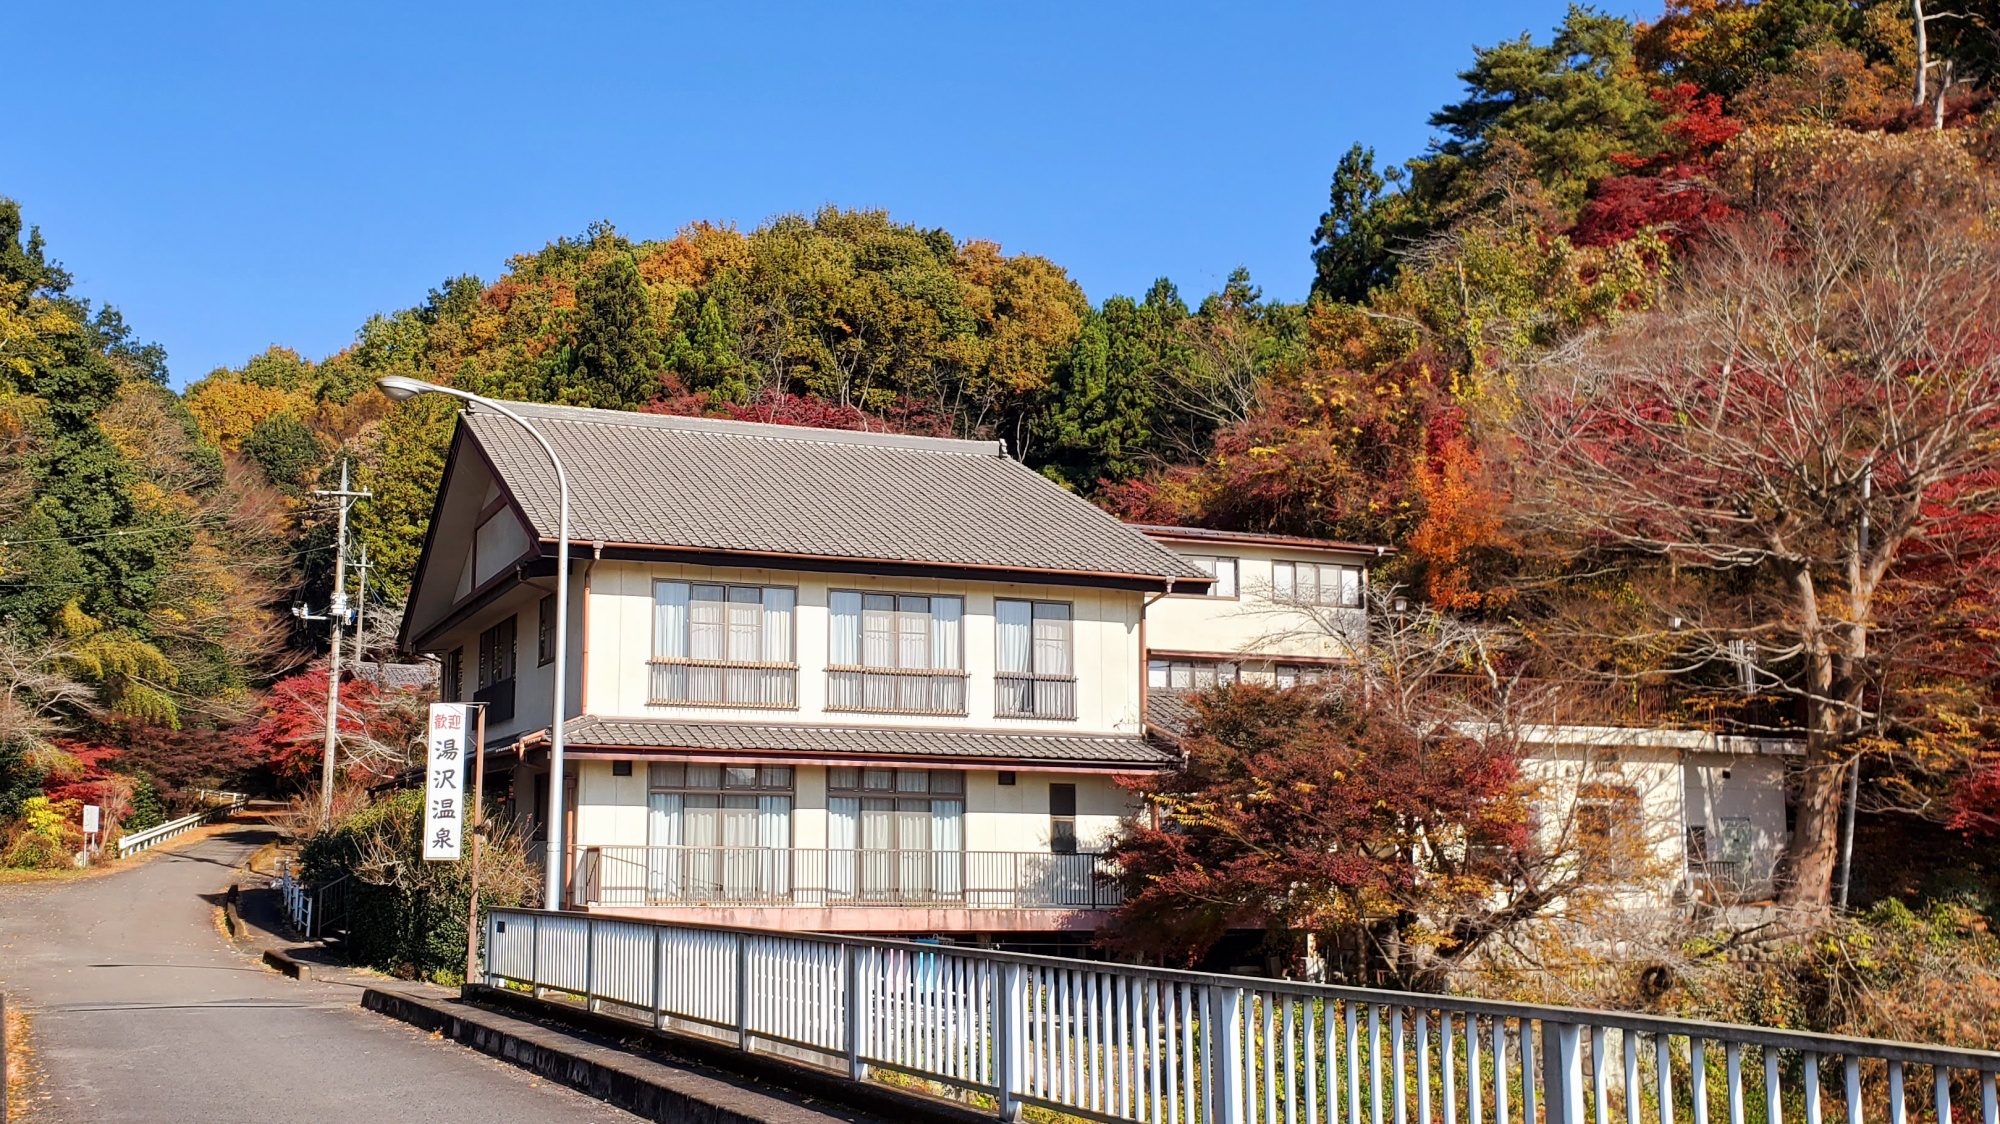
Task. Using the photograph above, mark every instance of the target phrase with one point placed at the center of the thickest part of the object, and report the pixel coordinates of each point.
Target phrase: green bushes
(403, 915)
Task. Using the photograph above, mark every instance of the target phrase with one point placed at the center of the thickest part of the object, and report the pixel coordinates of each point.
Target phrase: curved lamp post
(400, 388)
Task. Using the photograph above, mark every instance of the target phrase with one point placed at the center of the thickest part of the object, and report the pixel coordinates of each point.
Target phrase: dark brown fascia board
(1243, 657)
(484, 595)
(404, 642)
(1248, 538)
(818, 563)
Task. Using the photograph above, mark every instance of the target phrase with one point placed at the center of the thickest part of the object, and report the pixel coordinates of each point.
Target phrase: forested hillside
(1582, 208)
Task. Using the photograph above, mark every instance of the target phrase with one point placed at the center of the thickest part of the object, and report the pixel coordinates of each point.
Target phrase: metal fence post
(659, 1013)
(856, 1068)
(589, 964)
(1224, 1056)
(1562, 1073)
(1010, 1016)
(742, 991)
(535, 957)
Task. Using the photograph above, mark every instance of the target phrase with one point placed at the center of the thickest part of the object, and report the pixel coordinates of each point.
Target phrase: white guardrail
(1119, 1043)
(297, 901)
(219, 804)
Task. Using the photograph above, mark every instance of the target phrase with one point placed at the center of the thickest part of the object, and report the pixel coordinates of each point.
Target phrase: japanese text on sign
(444, 781)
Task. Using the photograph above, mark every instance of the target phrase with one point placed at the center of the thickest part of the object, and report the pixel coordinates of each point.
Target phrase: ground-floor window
(719, 831)
(895, 834)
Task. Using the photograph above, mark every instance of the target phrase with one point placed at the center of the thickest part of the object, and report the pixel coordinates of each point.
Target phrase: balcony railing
(883, 690)
(779, 876)
(1583, 702)
(687, 682)
(499, 700)
(1034, 696)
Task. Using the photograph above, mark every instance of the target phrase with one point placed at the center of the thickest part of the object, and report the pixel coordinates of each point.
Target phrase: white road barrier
(1117, 1043)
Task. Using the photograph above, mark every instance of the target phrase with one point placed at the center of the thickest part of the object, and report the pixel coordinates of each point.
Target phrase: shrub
(406, 916)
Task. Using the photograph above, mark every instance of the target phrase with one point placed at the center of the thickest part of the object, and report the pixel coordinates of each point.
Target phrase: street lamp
(399, 388)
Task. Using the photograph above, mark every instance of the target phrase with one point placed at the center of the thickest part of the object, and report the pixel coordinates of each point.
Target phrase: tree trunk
(1805, 871)
(1923, 52)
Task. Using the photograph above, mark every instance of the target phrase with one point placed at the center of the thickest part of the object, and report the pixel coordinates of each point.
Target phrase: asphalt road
(142, 1013)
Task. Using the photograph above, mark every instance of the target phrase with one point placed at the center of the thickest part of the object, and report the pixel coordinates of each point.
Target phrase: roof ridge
(755, 431)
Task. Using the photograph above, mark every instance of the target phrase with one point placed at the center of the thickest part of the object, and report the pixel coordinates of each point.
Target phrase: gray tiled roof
(402, 676)
(1089, 750)
(711, 485)
(1169, 712)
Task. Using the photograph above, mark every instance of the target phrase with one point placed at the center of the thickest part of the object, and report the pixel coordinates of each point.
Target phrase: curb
(298, 970)
(620, 1078)
(821, 1085)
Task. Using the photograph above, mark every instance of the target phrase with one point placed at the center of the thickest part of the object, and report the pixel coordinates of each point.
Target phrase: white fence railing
(219, 804)
(1124, 1044)
(315, 912)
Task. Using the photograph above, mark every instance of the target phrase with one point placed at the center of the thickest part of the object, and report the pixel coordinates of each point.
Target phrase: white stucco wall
(1105, 648)
(1250, 623)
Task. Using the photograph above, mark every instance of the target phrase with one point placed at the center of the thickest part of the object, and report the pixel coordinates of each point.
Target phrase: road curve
(144, 1013)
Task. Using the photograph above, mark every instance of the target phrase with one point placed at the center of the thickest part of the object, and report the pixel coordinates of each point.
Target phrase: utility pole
(336, 615)
(361, 611)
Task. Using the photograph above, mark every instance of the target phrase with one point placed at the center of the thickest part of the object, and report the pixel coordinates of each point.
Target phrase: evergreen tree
(1351, 252)
(617, 349)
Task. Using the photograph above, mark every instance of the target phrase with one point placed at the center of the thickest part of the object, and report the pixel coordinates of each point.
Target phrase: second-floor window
(1323, 584)
(496, 654)
(451, 676)
(1189, 675)
(1223, 570)
(723, 645)
(896, 653)
(1034, 674)
(545, 630)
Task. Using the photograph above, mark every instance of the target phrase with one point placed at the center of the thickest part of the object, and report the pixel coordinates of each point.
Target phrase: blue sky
(245, 175)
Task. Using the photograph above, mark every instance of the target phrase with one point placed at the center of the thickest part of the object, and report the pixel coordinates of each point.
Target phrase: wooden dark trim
(816, 564)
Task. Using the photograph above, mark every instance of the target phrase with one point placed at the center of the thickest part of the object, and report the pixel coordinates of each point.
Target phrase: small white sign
(444, 781)
(90, 819)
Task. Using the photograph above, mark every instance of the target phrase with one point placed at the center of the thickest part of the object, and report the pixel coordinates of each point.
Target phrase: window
(1307, 583)
(723, 645)
(621, 768)
(718, 832)
(496, 654)
(1223, 570)
(545, 631)
(451, 676)
(1034, 676)
(1607, 820)
(896, 653)
(1292, 675)
(895, 834)
(1062, 819)
(1190, 675)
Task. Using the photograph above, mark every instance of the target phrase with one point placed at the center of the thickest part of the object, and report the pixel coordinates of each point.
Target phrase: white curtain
(774, 835)
(778, 625)
(1013, 624)
(663, 831)
(1051, 639)
(843, 838)
(670, 620)
(948, 845)
(845, 643)
(705, 621)
(947, 617)
(1283, 587)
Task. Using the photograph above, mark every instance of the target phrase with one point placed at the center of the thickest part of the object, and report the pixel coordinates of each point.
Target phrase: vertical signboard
(444, 782)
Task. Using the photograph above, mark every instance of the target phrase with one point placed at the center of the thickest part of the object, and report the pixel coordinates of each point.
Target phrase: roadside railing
(1118, 1043)
(218, 804)
(784, 876)
(314, 912)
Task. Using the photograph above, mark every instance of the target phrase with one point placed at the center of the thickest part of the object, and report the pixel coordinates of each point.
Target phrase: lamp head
(401, 388)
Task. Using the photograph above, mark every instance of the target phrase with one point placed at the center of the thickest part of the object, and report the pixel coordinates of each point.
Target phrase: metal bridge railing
(1121, 1044)
(218, 804)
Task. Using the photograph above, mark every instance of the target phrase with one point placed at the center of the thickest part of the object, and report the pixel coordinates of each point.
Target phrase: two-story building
(867, 682)
(817, 679)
